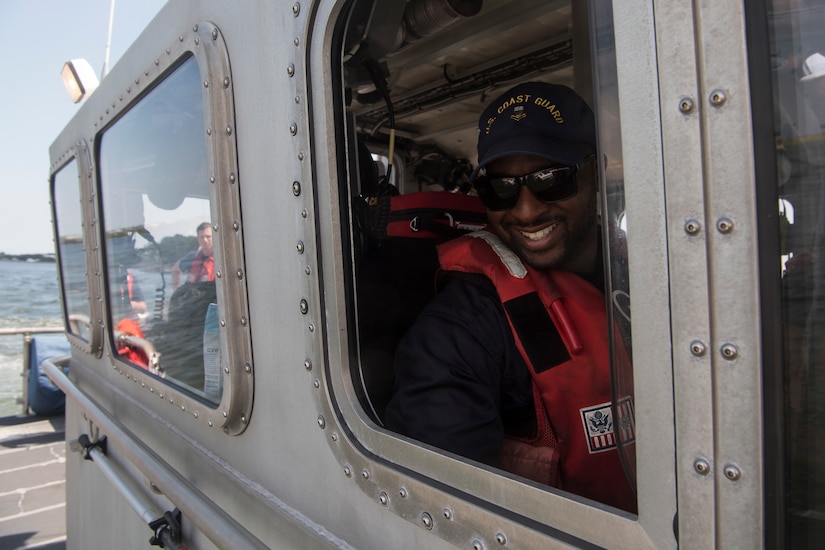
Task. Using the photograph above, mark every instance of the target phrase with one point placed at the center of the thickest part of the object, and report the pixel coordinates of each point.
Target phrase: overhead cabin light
(79, 78)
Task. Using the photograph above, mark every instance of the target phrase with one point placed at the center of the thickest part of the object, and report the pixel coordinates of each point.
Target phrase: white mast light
(79, 78)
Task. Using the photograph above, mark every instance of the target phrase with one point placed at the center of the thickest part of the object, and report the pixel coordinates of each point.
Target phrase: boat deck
(32, 482)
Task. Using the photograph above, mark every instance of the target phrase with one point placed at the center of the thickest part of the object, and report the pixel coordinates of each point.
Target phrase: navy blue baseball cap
(544, 120)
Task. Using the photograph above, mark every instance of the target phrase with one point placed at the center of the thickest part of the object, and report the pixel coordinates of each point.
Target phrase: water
(28, 298)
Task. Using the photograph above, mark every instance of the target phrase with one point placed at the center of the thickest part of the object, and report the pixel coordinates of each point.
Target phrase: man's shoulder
(465, 295)
(185, 261)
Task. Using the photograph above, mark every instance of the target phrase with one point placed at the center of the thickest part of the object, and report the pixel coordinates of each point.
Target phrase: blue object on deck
(44, 397)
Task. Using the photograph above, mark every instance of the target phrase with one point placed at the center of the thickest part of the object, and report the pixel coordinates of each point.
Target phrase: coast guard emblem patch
(600, 428)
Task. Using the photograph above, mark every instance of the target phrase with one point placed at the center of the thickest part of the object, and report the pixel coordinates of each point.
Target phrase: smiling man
(510, 364)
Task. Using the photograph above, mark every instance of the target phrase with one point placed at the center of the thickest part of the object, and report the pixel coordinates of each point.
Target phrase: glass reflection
(158, 233)
(71, 249)
(798, 60)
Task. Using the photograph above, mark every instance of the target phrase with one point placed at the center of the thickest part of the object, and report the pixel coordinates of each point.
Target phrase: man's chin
(541, 260)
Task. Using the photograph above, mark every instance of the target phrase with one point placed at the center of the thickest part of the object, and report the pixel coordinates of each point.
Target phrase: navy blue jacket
(461, 383)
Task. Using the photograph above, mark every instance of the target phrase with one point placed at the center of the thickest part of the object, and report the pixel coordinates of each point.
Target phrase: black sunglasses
(548, 185)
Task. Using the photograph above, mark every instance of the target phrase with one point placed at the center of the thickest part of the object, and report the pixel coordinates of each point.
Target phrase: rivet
(183, 407)
(365, 473)
(231, 174)
(214, 34)
(195, 28)
(146, 72)
(301, 155)
(297, 99)
(211, 179)
(308, 270)
(219, 274)
(729, 352)
(223, 322)
(403, 493)
(214, 227)
(180, 38)
(698, 348)
(248, 368)
(732, 472)
(205, 83)
(308, 363)
(226, 82)
(501, 539)
(243, 419)
(239, 273)
(290, 70)
(701, 466)
(197, 40)
(157, 62)
(311, 327)
(448, 513)
(322, 423)
(427, 520)
(296, 188)
(304, 307)
(209, 131)
(225, 414)
(304, 213)
(692, 227)
(296, 9)
(383, 498)
(244, 320)
(210, 423)
(293, 128)
(316, 383)
(478, 545)
(297, 41)
(686, 105)
(229, 130)
(226, 369)
(348, 470)
(195, 414)
(236, 226)
(300, 247)
(718, 98)
(334, 436)
(724, 225)
(168, 51)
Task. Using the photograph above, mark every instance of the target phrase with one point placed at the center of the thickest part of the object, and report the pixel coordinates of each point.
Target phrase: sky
(36, 38)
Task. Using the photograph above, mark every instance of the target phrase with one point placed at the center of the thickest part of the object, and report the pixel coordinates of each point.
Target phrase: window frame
(205, 43)
(81, 155)
(473, 496)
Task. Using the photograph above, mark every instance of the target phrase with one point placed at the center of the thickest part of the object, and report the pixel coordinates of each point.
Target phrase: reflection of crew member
(130, 290)
(198, 265)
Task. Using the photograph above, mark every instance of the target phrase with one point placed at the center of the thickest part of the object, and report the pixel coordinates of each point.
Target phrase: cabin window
(415, 85)
(160, 261)
(797, 50)
(71, 250)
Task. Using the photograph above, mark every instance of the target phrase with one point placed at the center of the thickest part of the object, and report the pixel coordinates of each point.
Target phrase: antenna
(108, 40)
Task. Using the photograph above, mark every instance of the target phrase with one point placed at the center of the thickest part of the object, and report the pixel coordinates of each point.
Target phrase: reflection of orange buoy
(133, 355)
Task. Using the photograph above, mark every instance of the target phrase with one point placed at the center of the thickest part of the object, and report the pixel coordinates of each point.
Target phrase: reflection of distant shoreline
(29, 258)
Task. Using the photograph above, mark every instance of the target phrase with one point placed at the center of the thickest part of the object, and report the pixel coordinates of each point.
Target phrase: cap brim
(561, 152)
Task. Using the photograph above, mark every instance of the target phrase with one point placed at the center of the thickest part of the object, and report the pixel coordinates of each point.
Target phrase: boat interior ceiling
(440, 76)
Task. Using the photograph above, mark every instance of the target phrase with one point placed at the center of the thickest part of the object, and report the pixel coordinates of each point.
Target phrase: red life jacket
(559, 322)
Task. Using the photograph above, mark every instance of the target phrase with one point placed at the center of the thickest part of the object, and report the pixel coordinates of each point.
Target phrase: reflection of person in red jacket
(199, 265)
(510, 364)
